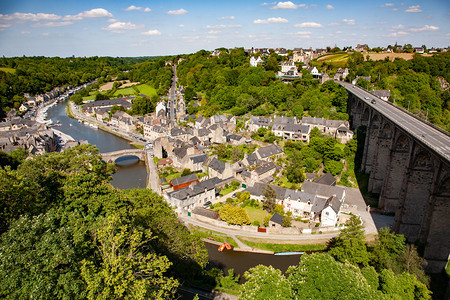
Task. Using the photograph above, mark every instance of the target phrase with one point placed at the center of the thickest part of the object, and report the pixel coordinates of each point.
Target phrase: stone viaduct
(112, 156)
(408, 162)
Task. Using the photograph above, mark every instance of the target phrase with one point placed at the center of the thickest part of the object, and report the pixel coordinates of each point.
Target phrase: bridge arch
(386, 132)
(423, 161)
(402, 144)
(113, 156)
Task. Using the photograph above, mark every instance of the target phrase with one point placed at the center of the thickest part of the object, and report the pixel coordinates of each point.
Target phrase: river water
(129, 173)
(132, 173)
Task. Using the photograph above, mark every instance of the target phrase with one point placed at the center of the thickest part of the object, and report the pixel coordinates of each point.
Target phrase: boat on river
(290, 253)
(223, 246)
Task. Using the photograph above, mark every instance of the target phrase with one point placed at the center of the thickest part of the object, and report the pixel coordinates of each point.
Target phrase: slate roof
(110, 102)
(276, 218)
(327, 179)
(217, 165)
(299, 196)
(176, 132)
(181, 152)
(206, 213)
(184, 179)
(313, 121)
(382, 93)
(261, 121)
(203, 132)
(195, 140)
(197, 189)
(323, 190)
(321, 203)
(269, 151)
(265, 168)
(252, 159)
(284, 120)
(198, 158)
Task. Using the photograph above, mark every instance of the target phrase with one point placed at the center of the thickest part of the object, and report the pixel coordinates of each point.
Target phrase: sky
(149, 28)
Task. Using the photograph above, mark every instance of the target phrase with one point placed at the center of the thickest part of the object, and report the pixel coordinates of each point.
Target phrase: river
(129, 173)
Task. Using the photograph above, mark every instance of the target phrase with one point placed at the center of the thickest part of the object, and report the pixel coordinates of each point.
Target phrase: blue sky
(142, 28)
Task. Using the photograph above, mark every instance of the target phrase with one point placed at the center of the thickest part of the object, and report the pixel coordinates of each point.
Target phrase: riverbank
(79, 116)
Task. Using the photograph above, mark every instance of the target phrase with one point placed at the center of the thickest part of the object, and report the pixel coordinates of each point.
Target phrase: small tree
(269, 199)
(350, 245)
(234, 215)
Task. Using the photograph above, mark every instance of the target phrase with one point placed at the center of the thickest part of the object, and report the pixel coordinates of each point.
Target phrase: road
(152, 177)
(433, 138)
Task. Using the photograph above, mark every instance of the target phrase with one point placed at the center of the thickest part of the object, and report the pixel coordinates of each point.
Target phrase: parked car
(373, 101)
(207, 204)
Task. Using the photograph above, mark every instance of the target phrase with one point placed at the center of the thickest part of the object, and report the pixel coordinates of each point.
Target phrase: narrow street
(152, 175)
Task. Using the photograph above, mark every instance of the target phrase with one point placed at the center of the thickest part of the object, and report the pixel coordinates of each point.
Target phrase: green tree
(40, 260)
(265, 283)
(403, 286)
(126, 270)
(234, 215)
(350, 245)
(270, 196)
(333, 167)
(319, 276)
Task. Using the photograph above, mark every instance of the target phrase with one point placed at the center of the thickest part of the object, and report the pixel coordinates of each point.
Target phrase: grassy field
(256, 214)
(143, 89)
(254, 243)
(8, 70)
(128, 91)
(215, 236)
(342, 57)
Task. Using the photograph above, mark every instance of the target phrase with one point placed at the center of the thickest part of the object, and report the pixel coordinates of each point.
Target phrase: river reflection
(242, 261)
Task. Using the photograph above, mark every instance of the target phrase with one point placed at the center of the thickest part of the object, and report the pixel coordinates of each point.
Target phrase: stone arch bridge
(112, 156)
(408, 162)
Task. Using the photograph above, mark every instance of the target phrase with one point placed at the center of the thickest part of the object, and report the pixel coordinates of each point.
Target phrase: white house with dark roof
(188, 198)
(382, 94)
(254, 123)
(218, 168)
(326, 211)
(254, 62)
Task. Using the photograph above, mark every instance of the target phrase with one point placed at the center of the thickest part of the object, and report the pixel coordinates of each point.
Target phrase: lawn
(256, 243)
(215, 236)
(8, 70)
(256, 214)
(143, 89)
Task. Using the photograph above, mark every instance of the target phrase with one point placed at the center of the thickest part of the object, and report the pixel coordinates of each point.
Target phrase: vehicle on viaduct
(408, 162)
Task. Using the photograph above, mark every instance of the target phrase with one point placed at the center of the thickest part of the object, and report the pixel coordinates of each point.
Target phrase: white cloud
(304, 32)
(178, 12)
(334, 24)
(414, 9)
(395, 9)
(29, 17)
(309, 25)
(399, 26)
(398, 34)
(424, 28)
(46, 34)
(287, 5)
(338, 32)
(330, 7)
(112, 20)
(214, 31)
(181, 25)
(226, 18)
(268, 3)
(387, 5)
(93, 13)
(223, 26)
(119, 27)
(52, 24)
(25, 32)
(271, 20)
(349, 21)
(152, 32)
(4, 25)
(132, 7)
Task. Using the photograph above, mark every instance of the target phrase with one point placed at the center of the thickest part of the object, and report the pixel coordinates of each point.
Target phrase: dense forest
(67, 233)
(228, 83)
(37, 75)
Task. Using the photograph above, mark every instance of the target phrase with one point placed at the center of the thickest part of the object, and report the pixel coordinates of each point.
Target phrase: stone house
(254, 62)
(218, 168)
(271, 152)
(235, 139)
(276, 221)
(326, 211)
(295, 132)
(153, 132)
(188, 198)
(341, 74)
(254, 123)
(101, 114)
(382, 94)
(218, 134)
(184, 181)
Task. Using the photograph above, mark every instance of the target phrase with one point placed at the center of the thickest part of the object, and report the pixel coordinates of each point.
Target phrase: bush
(234, 215)
(256, 223)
